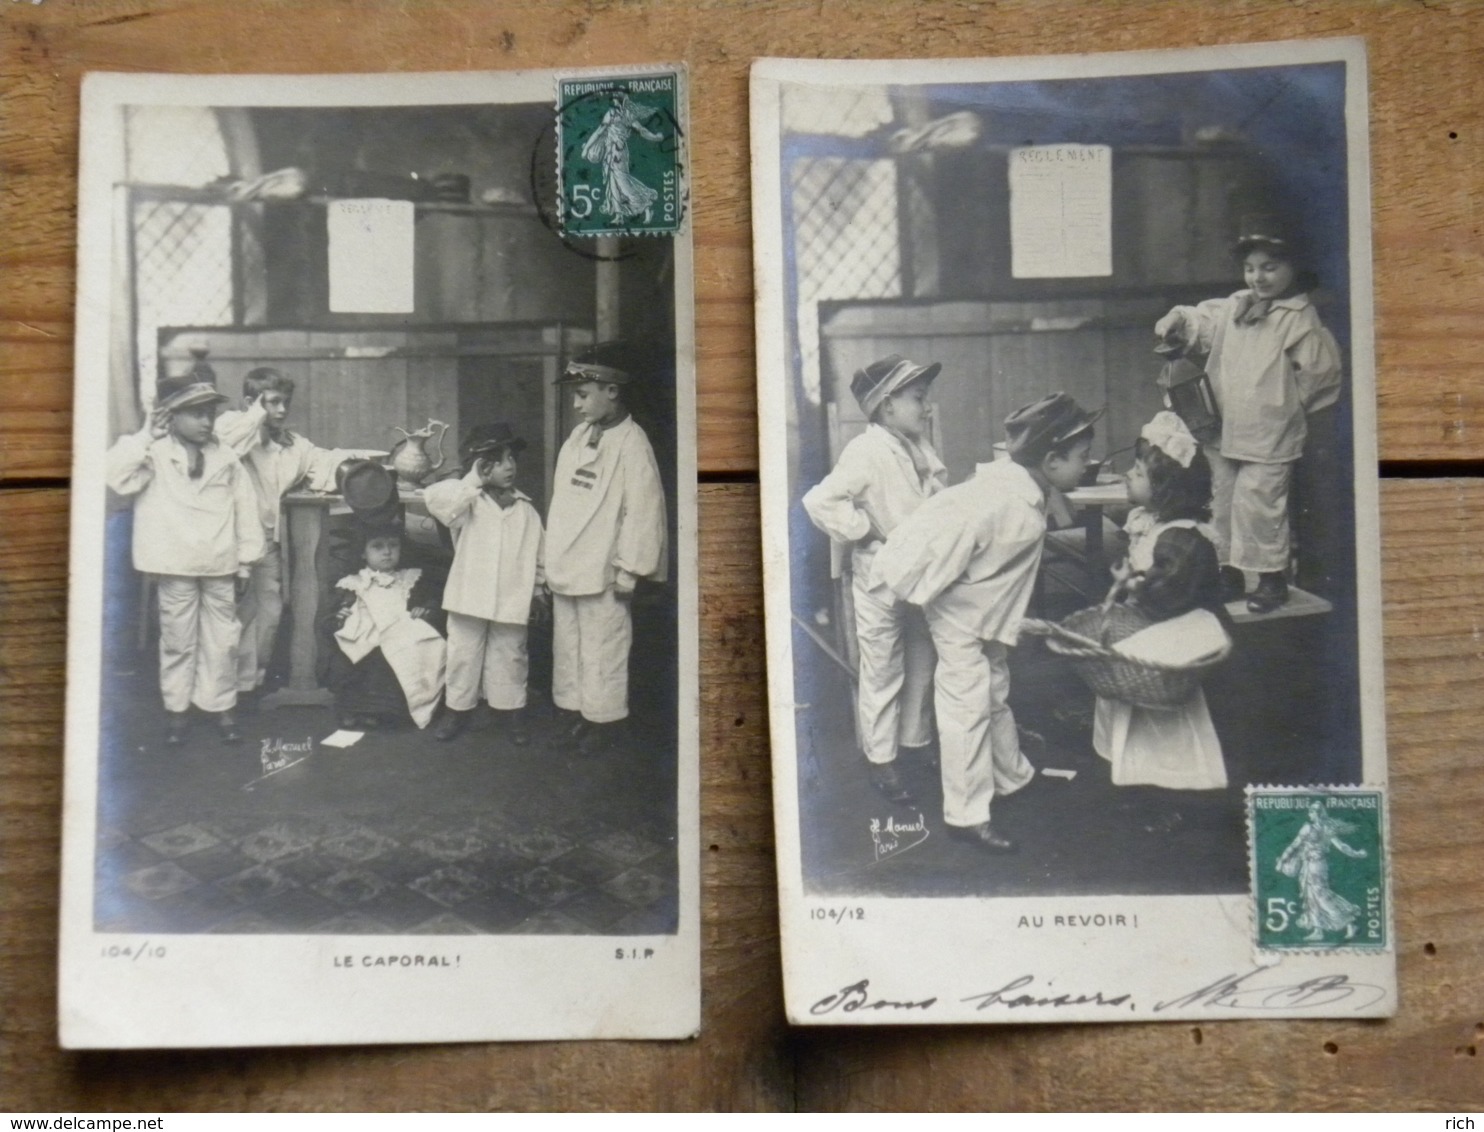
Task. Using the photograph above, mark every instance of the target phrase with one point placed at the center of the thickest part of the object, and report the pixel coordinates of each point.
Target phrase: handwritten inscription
(1241, 992)
(1005, 996)
(857, 997)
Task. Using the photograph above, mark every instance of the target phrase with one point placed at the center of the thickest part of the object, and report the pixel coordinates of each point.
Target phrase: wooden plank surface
(746, 1057)
(1425, 59)
(1427, 132)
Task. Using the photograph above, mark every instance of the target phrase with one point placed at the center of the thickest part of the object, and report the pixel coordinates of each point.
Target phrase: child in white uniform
(882, 476)
(969, 556)
(605, 531)
(495, 581)
(1271, 362)
(389, 659)
(195, 529)
(1172, 568)
(276, 461)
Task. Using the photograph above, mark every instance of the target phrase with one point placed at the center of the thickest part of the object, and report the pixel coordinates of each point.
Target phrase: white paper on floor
(342, 739)
(1057, 772)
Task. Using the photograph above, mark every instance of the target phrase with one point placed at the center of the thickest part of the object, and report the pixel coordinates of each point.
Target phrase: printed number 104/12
(837, 915)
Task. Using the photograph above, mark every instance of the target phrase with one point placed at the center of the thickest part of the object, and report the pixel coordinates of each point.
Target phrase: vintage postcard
(1066, 395)
(384, 475)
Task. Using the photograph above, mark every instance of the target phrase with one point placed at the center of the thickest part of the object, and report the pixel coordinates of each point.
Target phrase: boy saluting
(276, 460)
(195, 528)
(605, 530)
(969, 557)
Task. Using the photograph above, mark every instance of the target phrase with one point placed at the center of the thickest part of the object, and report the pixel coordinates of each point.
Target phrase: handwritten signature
(890, 838)
(1004, 997)
(1235, 992)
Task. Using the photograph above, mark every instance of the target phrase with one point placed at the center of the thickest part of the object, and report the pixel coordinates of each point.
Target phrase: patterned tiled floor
(398, 834)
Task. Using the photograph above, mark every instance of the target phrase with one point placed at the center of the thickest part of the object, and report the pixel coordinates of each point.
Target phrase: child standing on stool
(387, 662)
(605, 531)
(969, 556)
(1171, 569)
(1270, 362)
(882, 476)
(495, 579)
(196, 529)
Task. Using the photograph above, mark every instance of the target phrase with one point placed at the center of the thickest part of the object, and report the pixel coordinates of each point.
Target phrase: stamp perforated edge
(681, 74)
(1266, 954)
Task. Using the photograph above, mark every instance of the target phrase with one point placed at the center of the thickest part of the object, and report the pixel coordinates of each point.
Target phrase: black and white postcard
(1066, 394)
(382, 658)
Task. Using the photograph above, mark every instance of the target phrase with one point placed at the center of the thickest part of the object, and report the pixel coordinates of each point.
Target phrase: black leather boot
(1271, 593)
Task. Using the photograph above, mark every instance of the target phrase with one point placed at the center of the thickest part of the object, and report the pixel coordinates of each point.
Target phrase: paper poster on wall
(371, 256)
(1061, 211)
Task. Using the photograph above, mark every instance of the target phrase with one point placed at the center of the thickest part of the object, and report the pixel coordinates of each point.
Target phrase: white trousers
(260, 610)
(489, 657)
(894, 697)
(590, 640)
(198, 642)
(1249, 509)
(979, 749)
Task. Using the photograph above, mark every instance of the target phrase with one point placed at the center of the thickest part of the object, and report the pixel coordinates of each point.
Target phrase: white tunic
(873, 487)
(972, 551)
(607, 512)
(204, 527)
(497, 550)
(1266, 374)
(275, 468)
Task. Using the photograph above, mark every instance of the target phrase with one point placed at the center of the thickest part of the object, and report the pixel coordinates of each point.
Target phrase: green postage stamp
(1319, 871)
(620, 155)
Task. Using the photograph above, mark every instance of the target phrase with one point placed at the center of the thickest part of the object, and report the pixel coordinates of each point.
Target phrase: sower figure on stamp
(969, 556)
(276, 461)
(1307, 858)
(196, 531)
(605, 531)
(882, 476)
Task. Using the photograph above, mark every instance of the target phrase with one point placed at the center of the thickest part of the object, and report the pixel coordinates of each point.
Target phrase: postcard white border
(247, 990)
(952, 950)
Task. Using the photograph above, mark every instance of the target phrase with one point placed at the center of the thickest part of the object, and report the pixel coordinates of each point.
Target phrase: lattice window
(183, 273)
(185, 261)
(846, 238)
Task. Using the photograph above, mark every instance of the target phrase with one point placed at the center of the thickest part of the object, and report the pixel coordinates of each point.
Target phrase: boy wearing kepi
(276, 460)
(605, 530)
(969, 557)
(196, 530)
(495, 579)
(882, 476)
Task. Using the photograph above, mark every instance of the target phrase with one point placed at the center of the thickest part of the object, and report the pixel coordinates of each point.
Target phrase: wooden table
(1427, 136)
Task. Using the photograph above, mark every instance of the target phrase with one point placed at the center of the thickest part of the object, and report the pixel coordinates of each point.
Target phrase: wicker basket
(1084, 637)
